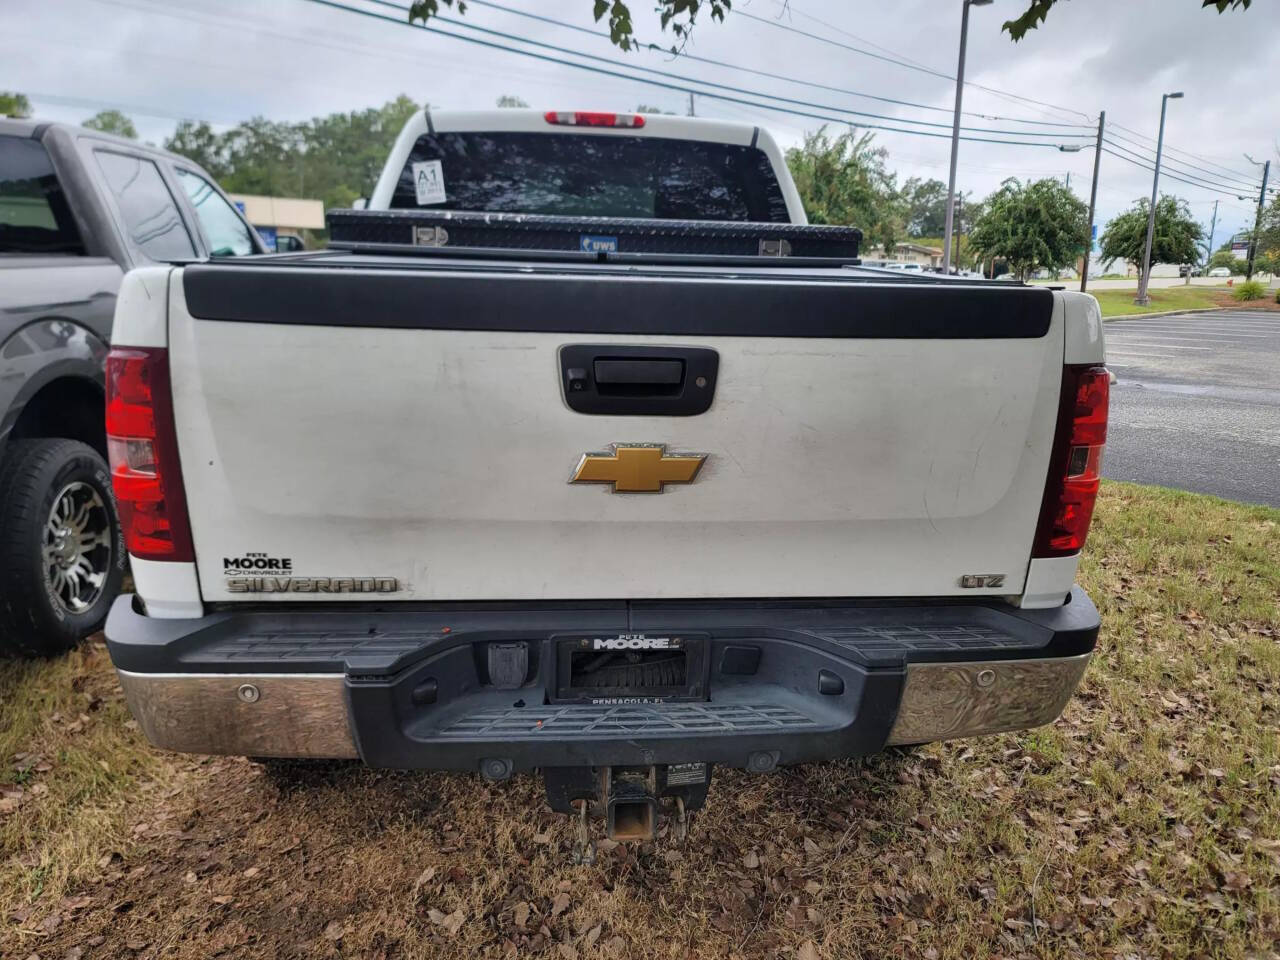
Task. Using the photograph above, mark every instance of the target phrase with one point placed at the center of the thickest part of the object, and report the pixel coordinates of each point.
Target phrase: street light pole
(1144, 280)
(955, 131)
(1093, 202)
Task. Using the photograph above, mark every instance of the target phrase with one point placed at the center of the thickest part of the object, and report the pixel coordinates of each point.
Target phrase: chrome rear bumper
(308, 715)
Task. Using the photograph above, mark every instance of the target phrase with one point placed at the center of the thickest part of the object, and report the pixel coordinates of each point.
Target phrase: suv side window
(226, 232)
(34, 215)
(150, 215)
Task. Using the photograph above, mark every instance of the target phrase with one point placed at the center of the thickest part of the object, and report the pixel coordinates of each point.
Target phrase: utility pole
(959, 225)
(955, 131)
(1144, 279)
(1257, 221)
(1093, 202)
(1213, 226)
(691, 113)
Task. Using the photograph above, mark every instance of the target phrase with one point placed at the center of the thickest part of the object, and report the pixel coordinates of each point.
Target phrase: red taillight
(584, 118)
(143, 449)
(1075, 466)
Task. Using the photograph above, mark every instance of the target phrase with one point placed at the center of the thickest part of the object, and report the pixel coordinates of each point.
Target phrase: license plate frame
(695, 649)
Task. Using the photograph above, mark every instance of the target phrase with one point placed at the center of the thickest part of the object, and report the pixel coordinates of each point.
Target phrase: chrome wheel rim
(77, 546)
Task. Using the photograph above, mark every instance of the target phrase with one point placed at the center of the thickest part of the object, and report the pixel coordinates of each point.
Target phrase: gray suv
(78, 208)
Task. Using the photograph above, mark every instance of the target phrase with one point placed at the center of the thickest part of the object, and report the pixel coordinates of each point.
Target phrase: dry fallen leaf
(423, 878)
(454, 921)
(521, 914)
(560, 904)
(808, 951)
(334, 930)
(751, 861)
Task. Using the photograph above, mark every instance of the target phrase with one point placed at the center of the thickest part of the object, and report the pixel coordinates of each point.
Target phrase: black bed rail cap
(600, 235)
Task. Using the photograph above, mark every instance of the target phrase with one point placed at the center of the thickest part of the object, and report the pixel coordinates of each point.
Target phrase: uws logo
(634, 641)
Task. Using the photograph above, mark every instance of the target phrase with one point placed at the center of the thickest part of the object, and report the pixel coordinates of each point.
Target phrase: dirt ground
(1146, 823)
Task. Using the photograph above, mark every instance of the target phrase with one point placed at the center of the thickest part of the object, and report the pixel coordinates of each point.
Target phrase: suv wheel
(62, 556)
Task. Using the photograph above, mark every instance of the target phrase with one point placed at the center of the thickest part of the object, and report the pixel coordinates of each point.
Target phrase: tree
(844, 181)
(1269, 231)
(678, 15)
(1224, 257)
(648, 108)
(1176, 238)
(14, 104)
(926, 202)
(113, 121)
(511, 101)
(681, 16)
(1036, 12)
(1033, 225)
(336, 158)
(199, 143)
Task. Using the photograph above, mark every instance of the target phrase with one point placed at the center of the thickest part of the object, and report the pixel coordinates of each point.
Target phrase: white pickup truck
(632, 475)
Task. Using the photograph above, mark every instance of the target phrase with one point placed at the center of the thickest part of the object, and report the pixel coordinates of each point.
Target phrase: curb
(1164, 313)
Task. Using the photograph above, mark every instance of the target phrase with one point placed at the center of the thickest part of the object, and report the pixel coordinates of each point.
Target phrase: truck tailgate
(376, 432)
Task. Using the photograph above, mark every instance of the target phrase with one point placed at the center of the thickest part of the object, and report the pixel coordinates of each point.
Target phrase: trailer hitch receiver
(632, 800)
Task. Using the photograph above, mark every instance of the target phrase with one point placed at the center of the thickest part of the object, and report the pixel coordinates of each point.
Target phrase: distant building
(928, 257)
(274, 217)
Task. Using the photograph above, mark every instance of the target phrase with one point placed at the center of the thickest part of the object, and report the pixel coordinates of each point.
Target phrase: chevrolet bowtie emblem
(638, 468)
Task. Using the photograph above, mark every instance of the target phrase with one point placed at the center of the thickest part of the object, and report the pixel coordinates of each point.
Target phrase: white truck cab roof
(589, 123)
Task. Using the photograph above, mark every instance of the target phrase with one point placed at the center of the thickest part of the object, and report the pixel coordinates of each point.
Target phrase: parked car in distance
(1219, 272)
(78, 208)
(905, 267)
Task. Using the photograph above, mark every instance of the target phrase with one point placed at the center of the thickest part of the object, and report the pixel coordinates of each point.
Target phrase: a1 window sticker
(428, 182)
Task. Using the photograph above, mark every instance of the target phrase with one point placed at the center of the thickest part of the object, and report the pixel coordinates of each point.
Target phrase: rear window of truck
(575, 174)
(34, 215)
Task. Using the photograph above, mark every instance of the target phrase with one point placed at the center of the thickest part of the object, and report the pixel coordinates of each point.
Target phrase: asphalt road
(1196, 404)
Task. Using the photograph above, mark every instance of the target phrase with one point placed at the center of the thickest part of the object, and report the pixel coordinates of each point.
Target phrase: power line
(1184, 163)
(1168, 171)
(682, 87)
(903, 63)
(1165, 168)
(469, 25)
(1164, 173)
(1202, 181)
(684, 55)
(1185, 153)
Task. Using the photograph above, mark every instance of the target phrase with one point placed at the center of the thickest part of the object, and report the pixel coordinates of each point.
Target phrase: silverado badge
(638, 467)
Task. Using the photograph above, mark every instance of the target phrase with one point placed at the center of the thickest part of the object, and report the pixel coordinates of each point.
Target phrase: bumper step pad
(630, 720)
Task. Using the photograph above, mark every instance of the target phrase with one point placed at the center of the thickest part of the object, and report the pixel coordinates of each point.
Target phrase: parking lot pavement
(1196, 404)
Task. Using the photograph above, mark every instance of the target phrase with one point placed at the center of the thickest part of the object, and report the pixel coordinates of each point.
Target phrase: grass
(1144, 823)
(1119, 303)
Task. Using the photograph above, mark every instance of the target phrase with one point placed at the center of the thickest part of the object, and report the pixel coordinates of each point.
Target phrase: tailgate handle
(639, 375)
(613, 379)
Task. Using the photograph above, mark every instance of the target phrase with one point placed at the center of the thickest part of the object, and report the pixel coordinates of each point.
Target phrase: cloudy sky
(162, 60)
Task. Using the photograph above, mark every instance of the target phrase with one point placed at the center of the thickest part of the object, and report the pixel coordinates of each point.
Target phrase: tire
(57, 579)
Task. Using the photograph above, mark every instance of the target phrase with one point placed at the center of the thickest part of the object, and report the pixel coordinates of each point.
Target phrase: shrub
(1278, 296)
(1249, 290)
